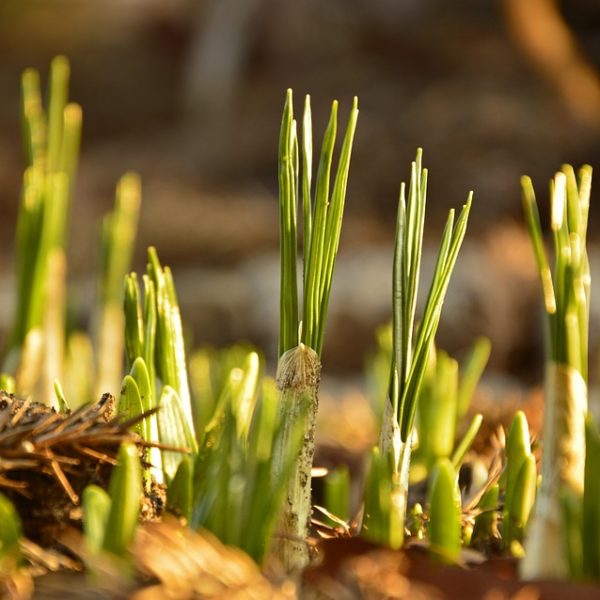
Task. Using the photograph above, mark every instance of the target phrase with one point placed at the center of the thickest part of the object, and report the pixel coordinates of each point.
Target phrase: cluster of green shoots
(233, 447)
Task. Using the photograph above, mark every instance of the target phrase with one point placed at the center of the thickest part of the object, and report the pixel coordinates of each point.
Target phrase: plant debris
(47, 458)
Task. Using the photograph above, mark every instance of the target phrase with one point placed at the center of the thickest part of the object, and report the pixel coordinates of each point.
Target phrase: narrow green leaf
(451, 242)
(521, 501)
(7, 383)
(444, 512)
(10, 536)
(244, 399)
(33, 118)
(307, 208)
(471, 372)
(337, 492)
(96, 508)
(485, 529)
(288, 309)
(58, 92)
(125, 491)
(130, 405)
(518, 448)
(179, 494)
(149, 427)
(466, 442)
(173, 431)
(63, 405)
(134, 323)
(437, 409)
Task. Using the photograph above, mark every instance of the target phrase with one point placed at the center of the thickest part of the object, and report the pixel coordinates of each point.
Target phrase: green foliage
(118, 237)
(180, 494)
(381, 525)
(567, 288)
(125, 491)
(10, 534)
(521, 501)
(96, 505)
(377, 372)
(7, 383)
(591, 506)
(410, 352)
(155, 350)
(51, 141)
(110, 519)
(444, 512)
(322, 223)
(337, 492)
(174, 430)
(519, 491)
(410, 347)
(170, 361)
(552, 549)
(236, 494)
(467, 440)
(444, 399)
(209, 371)
(470, 374)
(437, 410)
(485, 528)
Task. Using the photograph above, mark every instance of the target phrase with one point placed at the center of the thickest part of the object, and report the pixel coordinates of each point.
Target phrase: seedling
(51, 141)
(444, 512)
(300, 347)
(520, 481)
(411, 346)
(566, 292)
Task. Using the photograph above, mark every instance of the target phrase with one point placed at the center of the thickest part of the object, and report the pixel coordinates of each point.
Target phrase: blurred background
(189, 94)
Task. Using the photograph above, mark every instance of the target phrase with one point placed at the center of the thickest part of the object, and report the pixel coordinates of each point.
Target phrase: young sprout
(300, 347)
(444, 512)
(411, 345)
(10, 535)
(118, 238)
(337, 492)
(35, 349)
(566, 292)
(520, 480)
(110, 519)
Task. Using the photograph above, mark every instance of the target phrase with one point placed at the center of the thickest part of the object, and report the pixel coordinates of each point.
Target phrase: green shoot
(118, 236)
(437, 410)
(173, 430)
(470, 374)
(485, 528)
(96, 506)
(444, 512)
(300, 347)
(379, 525)
(466, 442)
(518, 454)
(171, 367)
(125, 492)
(337, 493)
(411, 346)
(566, 292)
(240, 476)
(180, 494)
(35, 350)
(520, 502)
(10, 534)
(7, 383)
